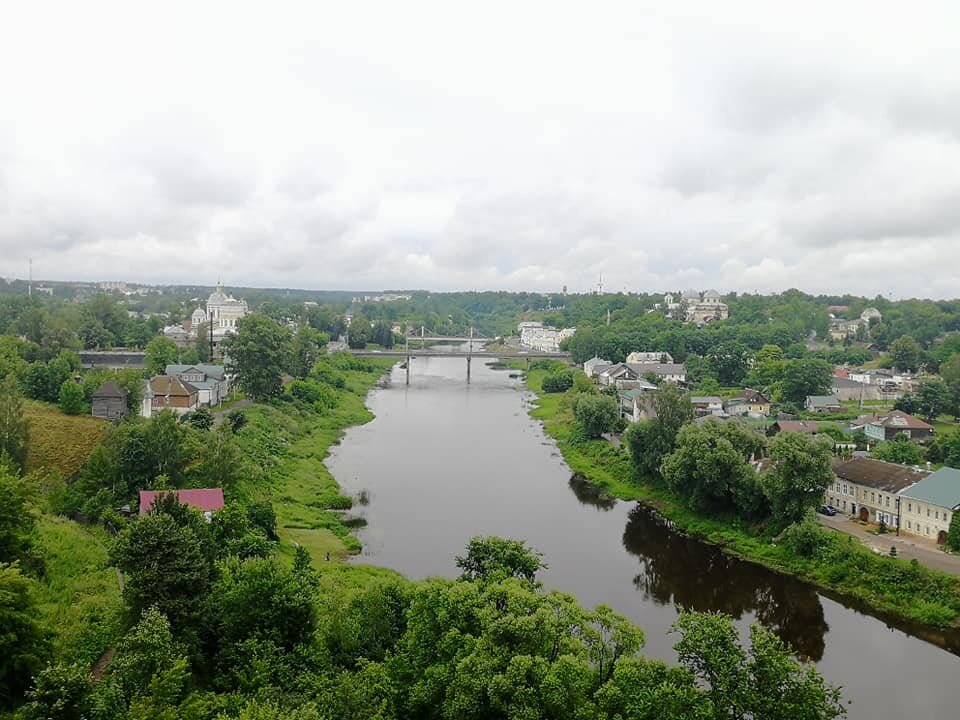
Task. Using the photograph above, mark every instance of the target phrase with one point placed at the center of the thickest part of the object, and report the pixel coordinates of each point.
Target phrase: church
(223, 310)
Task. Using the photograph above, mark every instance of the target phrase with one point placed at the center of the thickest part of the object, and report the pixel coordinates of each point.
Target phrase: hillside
(61, 441)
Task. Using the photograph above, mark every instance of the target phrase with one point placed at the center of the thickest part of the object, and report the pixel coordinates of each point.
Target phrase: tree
(24, 645)
(71, 397)
(161, 351)
(905, 353)
(557, 382)
(358, 334)
(765, 682)
(17, 517)
(202, 343)
(165, 567)
(953, 535)
(901, 449)
(259, 354)
(596, 414)
(493, 558)
(147, 654)
(14, 426)
(709, 469)
(933, 398)
(800, 474)
(801, 378)
(651, 441)
(63, 692)
(305, 351)
(201, 418)
(730, 361)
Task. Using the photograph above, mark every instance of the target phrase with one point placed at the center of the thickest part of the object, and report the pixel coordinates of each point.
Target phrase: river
(445, 460)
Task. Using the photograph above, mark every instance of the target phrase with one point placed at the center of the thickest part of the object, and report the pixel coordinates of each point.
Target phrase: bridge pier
(468, 368)
(408, 369)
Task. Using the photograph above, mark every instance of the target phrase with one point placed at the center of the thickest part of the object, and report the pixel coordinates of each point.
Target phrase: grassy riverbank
(840, 564)
(287, 445)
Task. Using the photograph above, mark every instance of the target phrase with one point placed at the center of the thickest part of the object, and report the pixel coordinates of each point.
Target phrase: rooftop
(939, 488)
(803, 426)
(900, 419)
(203, 499)
(885, 476)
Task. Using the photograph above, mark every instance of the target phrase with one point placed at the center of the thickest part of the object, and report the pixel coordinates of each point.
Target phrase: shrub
(71, 398)
(558, 382)
(804, 538)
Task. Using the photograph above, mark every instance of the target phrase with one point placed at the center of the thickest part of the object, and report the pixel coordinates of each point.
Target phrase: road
(908, 547)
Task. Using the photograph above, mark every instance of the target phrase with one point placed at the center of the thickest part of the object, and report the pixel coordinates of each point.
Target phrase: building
(537, 336)
(109, 402)
(703, 308)
(665, 372)
(748, 402)
(224, 311)
(927, 507)
(636, 404)
(619, 375)
(897, 422)
(639, 358)
(168, 392)
(843, 388)
(206, 500)
(822, 404)
(209, 380)
(594, 365)
(706, 405)
(801, 426)
(868, 489)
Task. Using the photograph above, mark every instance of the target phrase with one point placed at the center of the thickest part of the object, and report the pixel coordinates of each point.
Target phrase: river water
(445, 460)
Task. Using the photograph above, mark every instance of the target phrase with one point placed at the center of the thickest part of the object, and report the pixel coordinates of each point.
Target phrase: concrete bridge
(409, 353)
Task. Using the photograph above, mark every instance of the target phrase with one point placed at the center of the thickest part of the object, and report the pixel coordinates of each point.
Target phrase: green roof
(823, 400)
(939, 488)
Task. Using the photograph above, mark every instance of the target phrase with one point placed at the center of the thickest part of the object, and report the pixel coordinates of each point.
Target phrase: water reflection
(678, 570)
(589, 494)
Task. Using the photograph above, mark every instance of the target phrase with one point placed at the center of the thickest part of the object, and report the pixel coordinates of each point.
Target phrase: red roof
(204, 499)
(801, 426)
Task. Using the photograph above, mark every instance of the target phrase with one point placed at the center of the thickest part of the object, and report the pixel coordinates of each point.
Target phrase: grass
(79, 595)
(58, 441)
(289, 445)
(841, 564)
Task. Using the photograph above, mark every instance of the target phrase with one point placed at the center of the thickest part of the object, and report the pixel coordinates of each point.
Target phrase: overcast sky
(516, 145)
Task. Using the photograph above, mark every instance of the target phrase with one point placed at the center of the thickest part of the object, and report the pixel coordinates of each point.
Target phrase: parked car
(828, 510)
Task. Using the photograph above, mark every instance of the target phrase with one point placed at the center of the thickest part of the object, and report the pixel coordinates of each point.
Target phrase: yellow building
(868, 489)
(927, 507)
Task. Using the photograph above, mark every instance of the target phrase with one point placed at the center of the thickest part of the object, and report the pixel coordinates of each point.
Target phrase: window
(936, 514)
(908, 525)
(909, 507)
(872, 498)
(887, 501)
(928, 512)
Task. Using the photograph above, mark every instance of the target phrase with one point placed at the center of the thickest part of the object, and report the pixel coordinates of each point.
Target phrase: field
(59, 441)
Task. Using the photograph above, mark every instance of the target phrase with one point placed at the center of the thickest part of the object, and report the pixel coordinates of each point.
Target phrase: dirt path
(219, 415)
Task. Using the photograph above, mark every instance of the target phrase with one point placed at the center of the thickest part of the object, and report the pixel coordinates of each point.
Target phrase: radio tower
(600, 285)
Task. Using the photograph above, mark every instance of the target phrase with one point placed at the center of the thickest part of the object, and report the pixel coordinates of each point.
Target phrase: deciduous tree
(259, 354)
(799, 476)
(14, 426)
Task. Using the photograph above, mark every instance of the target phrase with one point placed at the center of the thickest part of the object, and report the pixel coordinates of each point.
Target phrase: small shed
(109, 401)
(206, 500)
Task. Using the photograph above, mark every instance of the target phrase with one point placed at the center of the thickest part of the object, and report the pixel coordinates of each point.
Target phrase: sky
(742, 146)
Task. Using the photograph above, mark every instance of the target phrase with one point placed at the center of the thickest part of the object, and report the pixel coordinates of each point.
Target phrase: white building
(649, 357)
(537, 336)
(224, 310)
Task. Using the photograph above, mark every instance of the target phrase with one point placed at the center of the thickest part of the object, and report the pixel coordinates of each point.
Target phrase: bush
(558, 382)
(237, 419)
(71, 398)
(596, 414)
(803, 538)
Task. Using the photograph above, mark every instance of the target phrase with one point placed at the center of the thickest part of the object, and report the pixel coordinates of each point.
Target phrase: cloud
(511, 147)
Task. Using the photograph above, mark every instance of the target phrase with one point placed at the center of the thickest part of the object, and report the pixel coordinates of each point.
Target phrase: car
(828, 510)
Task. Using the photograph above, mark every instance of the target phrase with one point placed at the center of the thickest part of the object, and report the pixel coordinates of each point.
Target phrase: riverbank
(886, 585)
(286, 444)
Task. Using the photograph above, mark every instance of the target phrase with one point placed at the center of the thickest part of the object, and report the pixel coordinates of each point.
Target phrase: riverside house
(868, 489)
(927, 507)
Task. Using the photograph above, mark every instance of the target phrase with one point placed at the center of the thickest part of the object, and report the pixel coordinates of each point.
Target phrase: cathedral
(222, 310)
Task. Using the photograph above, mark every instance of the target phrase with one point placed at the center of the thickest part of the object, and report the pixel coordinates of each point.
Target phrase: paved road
(908, 547)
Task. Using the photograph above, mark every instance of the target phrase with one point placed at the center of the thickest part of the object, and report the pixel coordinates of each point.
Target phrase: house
(706, 404)
(209, 380)
(109, 401)
(868, 489)
(542, 337)
(843, 388)
(801, 426)
(206, 500)
(649, 357)
(748, 402)
(703, 308)
(665, 372)
(622, 376)
(593, 366)
(171, 393)
(897, 422)
(927, 507)
(822, 404)
(636, 404)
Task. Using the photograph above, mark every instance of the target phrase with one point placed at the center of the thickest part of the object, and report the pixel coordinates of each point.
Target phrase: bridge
(409, 354)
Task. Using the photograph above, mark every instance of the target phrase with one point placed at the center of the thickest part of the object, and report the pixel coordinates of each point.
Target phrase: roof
(885, 476)
(939, 488)
(844, 382)
(751, 396)
(110, 390)
(900, 419)
(214, 371)
(171, 385)
(822, 400)
(658, 368)
(802, 426)
(204, 499)
(705, 400)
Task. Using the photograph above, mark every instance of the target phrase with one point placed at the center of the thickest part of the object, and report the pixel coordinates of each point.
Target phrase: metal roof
(939, 488)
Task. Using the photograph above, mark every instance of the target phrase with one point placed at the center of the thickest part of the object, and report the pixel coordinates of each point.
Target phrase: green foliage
(953, 535)
(493, 559)
(900, 450)
(558, 382)
(709, 468)
(165, 567)
(596, 414)
(63, 692)
(800, 474)
(651, 441)
(803, 538)
(905, 354)
(765, 682)
(236, 419)
(730, 361)
(24, 644)
(201, 418)
(17, 518)
(259, 354)
(71, 398)
(147, 656)
(161, 351)
(304, 351)
(14, 429)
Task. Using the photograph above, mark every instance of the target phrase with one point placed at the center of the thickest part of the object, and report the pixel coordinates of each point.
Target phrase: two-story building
(822, 404)
(927, 507)
(748, 402)
(168, 392)
(593, 366)
(868, 489)
(706, 404)
(209, 380)
(649, 357)
(666, 372)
